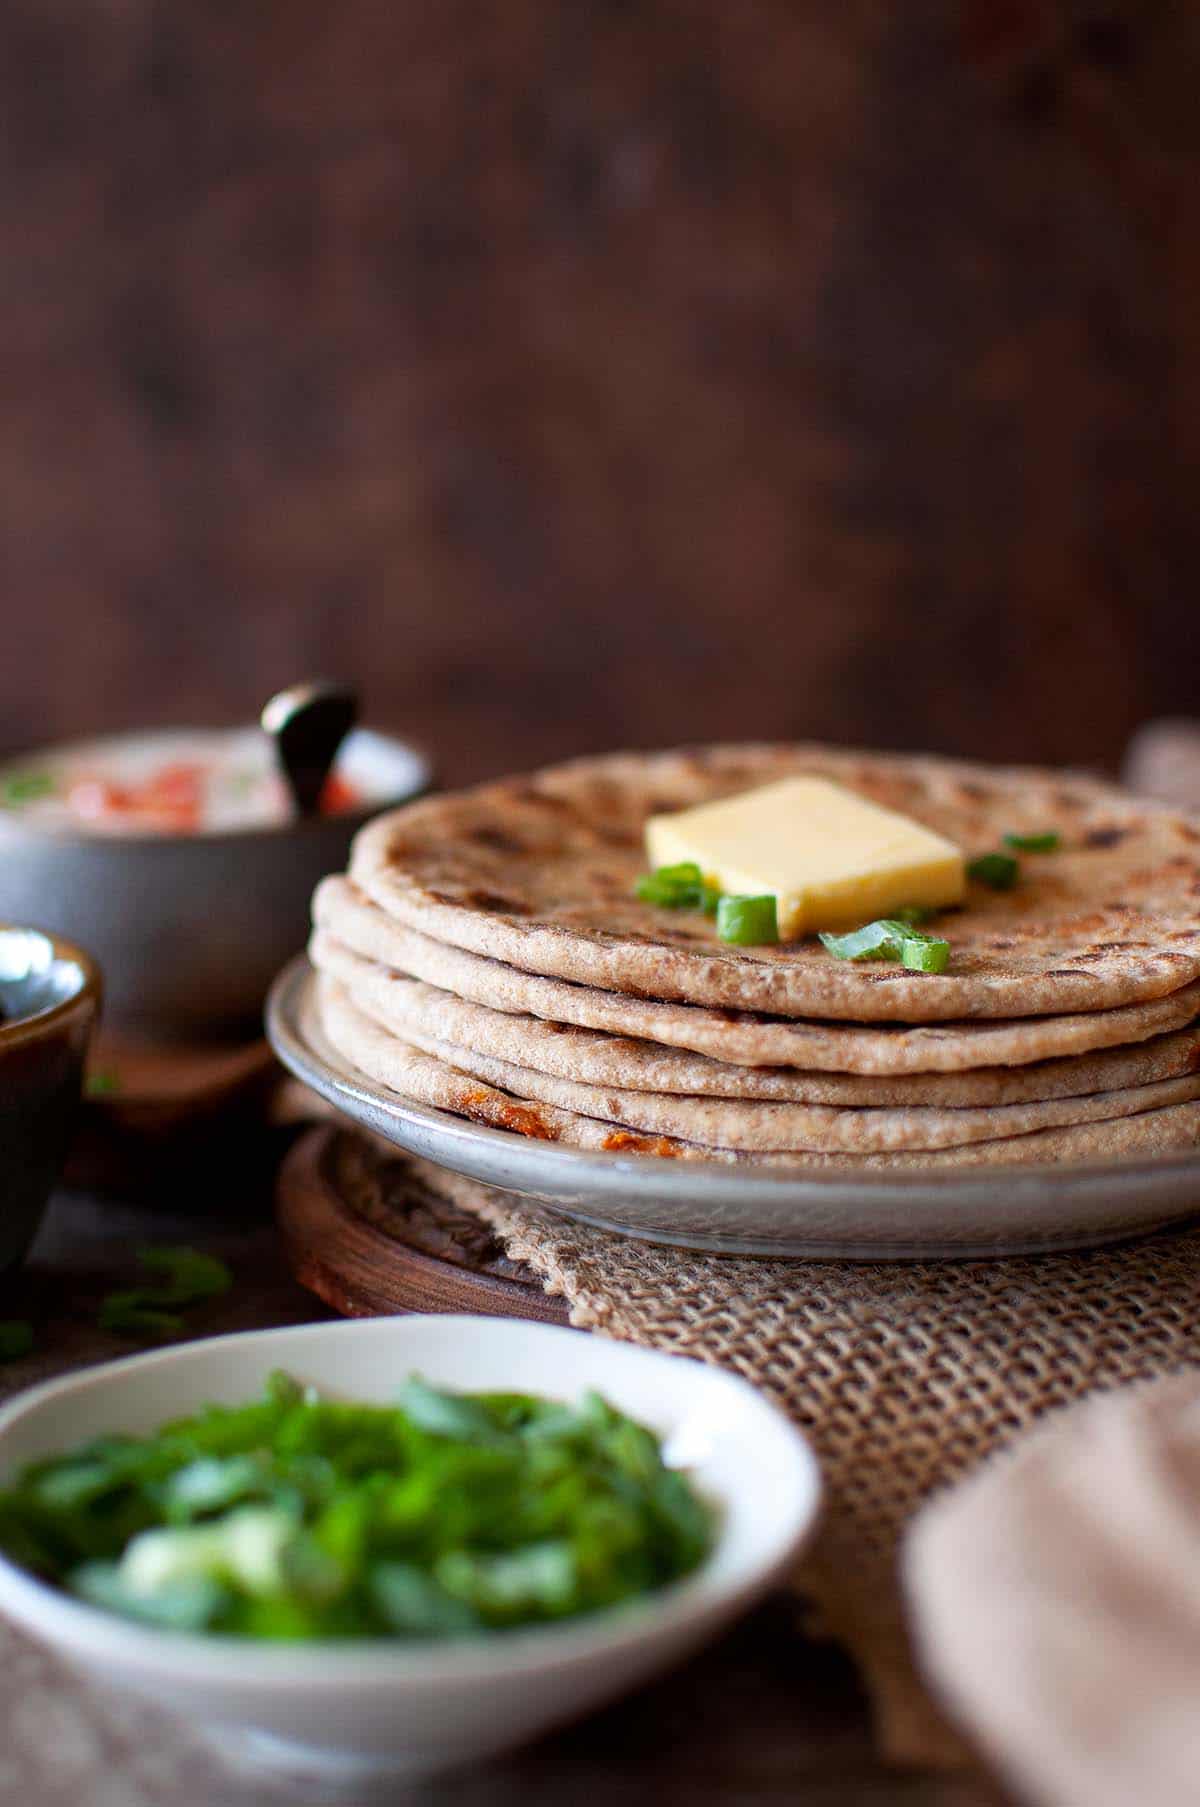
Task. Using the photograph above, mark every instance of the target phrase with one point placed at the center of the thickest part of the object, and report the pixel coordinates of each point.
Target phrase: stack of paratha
(486, 955)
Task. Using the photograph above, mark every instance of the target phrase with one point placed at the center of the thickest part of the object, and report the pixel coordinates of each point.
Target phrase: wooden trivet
(368, 1238)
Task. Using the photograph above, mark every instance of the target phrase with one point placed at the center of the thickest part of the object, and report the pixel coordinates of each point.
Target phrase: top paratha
(886, 1049)
(538, 872)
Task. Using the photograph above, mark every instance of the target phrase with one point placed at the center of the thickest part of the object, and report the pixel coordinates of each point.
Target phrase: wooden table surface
(764, 1717)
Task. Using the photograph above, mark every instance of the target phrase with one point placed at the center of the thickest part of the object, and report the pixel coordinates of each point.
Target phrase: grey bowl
(191, 929)
(49, 996)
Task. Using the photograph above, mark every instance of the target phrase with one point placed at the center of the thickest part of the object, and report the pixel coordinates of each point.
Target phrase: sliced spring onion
(1034, 843)
(187, 1276)
(999, 870)
(891, 938)
(914, 914)
(880, 940)
(747, 921)
(681, 887)
(929, 955)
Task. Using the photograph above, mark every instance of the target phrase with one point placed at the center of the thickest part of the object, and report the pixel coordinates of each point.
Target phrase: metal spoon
(308, 723)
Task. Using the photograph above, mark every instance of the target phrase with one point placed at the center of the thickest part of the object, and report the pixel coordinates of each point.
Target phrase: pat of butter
(831, 859)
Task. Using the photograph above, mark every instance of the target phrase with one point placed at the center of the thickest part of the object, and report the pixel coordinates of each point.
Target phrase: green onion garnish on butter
(681, 887)
(914, 914)
(880, 940)
(1034, 843)
(927, 955)
(747, 921)
(890, 939)
(999, 870)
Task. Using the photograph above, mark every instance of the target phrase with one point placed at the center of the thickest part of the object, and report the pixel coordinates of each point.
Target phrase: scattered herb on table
(296, 1517)
(16, 1339)
(188, 1276)
(891, 938)
(102, 1084)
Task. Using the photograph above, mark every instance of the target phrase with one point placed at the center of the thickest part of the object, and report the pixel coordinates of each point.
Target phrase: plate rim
(302, 1059)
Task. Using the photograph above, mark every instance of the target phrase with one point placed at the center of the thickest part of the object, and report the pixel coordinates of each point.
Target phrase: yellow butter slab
(831, 859)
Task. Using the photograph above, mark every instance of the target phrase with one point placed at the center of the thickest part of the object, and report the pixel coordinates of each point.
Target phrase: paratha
(426, 1079)
(539, 871)
(758, 1126)
(744, 1037)
(415, 1010)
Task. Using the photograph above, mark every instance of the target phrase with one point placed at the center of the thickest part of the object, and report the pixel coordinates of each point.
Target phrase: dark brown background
(602, 371)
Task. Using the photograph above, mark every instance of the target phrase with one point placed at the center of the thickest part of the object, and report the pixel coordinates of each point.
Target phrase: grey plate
(1003, 1211)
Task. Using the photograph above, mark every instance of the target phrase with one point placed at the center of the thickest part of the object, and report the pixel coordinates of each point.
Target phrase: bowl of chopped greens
(392, 1545)
(49, 999)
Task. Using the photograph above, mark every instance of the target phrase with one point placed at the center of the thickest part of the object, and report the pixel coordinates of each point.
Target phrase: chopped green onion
(127, 1314)
(25, 787)
(681, 887)
(914, 914)
(891, 938)
(16, 1339)
(928, 955)
(153, 1311)
(189, 1274)
(1034, 843)
(747, 921)
(880, 940)
(102, 1085)
(999, 870)
(301, 1518)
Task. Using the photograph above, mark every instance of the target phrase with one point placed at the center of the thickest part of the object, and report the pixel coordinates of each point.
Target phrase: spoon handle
(308, 723)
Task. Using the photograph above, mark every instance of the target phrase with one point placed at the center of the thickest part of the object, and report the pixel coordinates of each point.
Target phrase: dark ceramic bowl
(190, 929)
(49, 998)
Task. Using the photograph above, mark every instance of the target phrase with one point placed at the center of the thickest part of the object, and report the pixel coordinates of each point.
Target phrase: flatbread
(744, 1038)
(415, 1010)
(426, 1079)
(759, 1127)
(539, 872)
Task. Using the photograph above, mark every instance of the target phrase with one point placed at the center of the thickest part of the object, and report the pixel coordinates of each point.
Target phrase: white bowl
(345, 1712)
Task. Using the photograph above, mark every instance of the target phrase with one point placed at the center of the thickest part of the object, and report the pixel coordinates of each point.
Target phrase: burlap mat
(904, 1375)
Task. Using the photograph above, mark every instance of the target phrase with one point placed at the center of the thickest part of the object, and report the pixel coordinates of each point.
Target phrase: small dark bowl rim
(47, 1022)
(12, 827)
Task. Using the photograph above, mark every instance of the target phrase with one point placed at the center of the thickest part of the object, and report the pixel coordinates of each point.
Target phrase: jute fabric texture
(904, 1375)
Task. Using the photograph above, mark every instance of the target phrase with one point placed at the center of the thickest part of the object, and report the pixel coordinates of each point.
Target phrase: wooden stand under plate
(368, 1237)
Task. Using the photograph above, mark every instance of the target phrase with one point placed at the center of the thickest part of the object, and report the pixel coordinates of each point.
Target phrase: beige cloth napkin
(1055, 1601)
